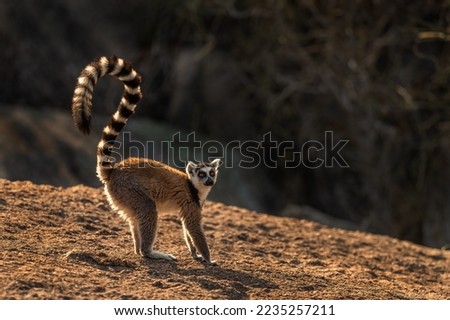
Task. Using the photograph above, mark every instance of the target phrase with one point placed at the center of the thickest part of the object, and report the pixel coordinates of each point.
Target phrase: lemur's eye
(201, 174)
(212, 173)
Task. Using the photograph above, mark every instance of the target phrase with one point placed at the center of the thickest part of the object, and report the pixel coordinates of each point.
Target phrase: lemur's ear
(216, 163)
(190, 167)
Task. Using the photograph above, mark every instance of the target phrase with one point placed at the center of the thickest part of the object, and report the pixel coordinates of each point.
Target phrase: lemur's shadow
(212, 278)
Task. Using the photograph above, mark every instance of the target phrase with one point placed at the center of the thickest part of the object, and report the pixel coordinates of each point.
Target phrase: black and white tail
(82, 105)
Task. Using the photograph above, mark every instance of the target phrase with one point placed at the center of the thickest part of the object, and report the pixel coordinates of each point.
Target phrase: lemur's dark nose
(209, 182)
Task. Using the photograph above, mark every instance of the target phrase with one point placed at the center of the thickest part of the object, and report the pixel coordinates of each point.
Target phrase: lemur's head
(203, 174)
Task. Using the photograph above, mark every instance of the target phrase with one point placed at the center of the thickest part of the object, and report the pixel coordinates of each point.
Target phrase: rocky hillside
(61, 243)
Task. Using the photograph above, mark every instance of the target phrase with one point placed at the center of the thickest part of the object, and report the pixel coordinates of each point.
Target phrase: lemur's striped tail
(82, 105)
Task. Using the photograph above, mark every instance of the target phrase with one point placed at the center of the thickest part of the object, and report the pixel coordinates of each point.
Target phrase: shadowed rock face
(43, 146)
(45, 44)
(66, 244)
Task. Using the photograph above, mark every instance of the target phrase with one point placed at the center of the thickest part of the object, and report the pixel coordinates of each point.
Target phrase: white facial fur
(203, 176)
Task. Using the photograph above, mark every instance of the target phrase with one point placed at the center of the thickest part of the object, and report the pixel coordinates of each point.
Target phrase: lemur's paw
(212, 263)
(160, 255)
(200, 258)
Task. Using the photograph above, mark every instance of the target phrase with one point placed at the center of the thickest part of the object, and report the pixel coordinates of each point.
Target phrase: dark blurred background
(375, 73)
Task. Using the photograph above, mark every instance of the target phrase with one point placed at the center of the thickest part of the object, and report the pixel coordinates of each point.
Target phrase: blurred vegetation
(374, 72)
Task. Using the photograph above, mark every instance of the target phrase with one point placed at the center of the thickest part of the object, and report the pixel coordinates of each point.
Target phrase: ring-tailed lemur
(139, 188)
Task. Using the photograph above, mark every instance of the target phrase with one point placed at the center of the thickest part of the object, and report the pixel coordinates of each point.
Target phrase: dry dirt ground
(60, 243)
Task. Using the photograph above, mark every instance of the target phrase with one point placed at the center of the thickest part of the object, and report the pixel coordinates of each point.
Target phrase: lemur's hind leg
(136, 234)
(147, 216)
(142, 215)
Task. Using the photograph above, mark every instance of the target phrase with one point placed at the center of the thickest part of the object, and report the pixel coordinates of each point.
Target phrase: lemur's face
(203, 174)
